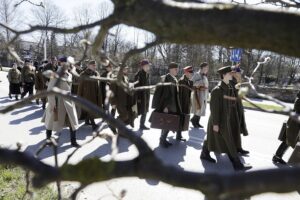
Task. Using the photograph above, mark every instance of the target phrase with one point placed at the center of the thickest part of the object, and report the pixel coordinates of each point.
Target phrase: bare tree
(176, 23)
(48, 15)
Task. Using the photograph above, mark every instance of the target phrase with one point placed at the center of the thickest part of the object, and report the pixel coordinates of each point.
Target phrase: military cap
(92, 62)
(224, 70)
(173, 65)
(188, 69)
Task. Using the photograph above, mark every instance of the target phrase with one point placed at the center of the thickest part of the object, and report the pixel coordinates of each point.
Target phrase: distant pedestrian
(14, 78)
(40, 85)
(200, 94)
(28, 78)
(185, 94)
(143, 96)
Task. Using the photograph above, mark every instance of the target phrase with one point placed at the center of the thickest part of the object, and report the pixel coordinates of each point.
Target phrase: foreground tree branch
(222, 24)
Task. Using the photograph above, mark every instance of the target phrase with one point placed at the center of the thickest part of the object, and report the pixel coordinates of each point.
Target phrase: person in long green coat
(240, 127)
(185, 94)
(291, 135)
(222, 119)
(124, 102)
(143, 97)
(90, 90)
(166, 99)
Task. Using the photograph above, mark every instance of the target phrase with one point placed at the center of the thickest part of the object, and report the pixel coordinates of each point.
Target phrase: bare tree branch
(35, 4)
(140, 50)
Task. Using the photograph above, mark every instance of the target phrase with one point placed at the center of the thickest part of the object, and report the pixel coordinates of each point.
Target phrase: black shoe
(195, 124)
(207, 157)
(10, 96)
(37, 102)
(48, 142)
(200, 126)
(241, 167)
(144, 128)
(75, 144)
(277, 159)
(242, 151)
(44, 106)
(17, 98)
(180, 139)
(165, 143)
(95, 127)
(113, 129)
(87, 123)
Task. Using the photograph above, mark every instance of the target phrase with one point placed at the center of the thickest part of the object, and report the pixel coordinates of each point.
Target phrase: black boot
(17, 98)
(37, 101)
(242, 151)
(94, 126)
(87, 122)
(194, 121)
(113, 112)
(277, 158)
(73, 138)
(44, 106)
(163, 139)
(48, 136)
(179, 136)
(10, 96)
(198, 122)
(237, 164)
(205, 154)
(142, 122)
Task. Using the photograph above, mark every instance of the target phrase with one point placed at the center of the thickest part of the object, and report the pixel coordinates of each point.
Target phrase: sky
(69, 7)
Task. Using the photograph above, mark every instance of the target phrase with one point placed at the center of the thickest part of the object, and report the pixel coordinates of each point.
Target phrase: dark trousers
(28, 88)
(281, 149)
(164, 135)
(143, 119)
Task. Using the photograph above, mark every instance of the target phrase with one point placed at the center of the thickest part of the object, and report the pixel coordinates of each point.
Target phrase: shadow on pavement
(28, 108)
(32, 116)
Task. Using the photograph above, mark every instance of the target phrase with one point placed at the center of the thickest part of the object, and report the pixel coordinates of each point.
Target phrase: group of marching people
(184, 96)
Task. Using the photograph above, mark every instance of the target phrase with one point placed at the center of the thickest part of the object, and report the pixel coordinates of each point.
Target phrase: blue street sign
(236, 55)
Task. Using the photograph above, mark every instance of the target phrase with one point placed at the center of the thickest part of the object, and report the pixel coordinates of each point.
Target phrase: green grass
(13, 185)
(263, 106)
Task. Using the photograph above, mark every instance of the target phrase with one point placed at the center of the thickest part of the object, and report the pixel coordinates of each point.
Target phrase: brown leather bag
(170, 122)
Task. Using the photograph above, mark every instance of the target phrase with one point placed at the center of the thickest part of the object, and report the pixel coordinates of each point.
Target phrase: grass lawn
(264, 106)
(13, 185)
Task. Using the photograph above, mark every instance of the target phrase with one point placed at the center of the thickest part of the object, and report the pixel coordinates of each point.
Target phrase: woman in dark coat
(14, 78)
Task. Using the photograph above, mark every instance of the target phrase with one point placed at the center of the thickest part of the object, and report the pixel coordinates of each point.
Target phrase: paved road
(25, 125)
